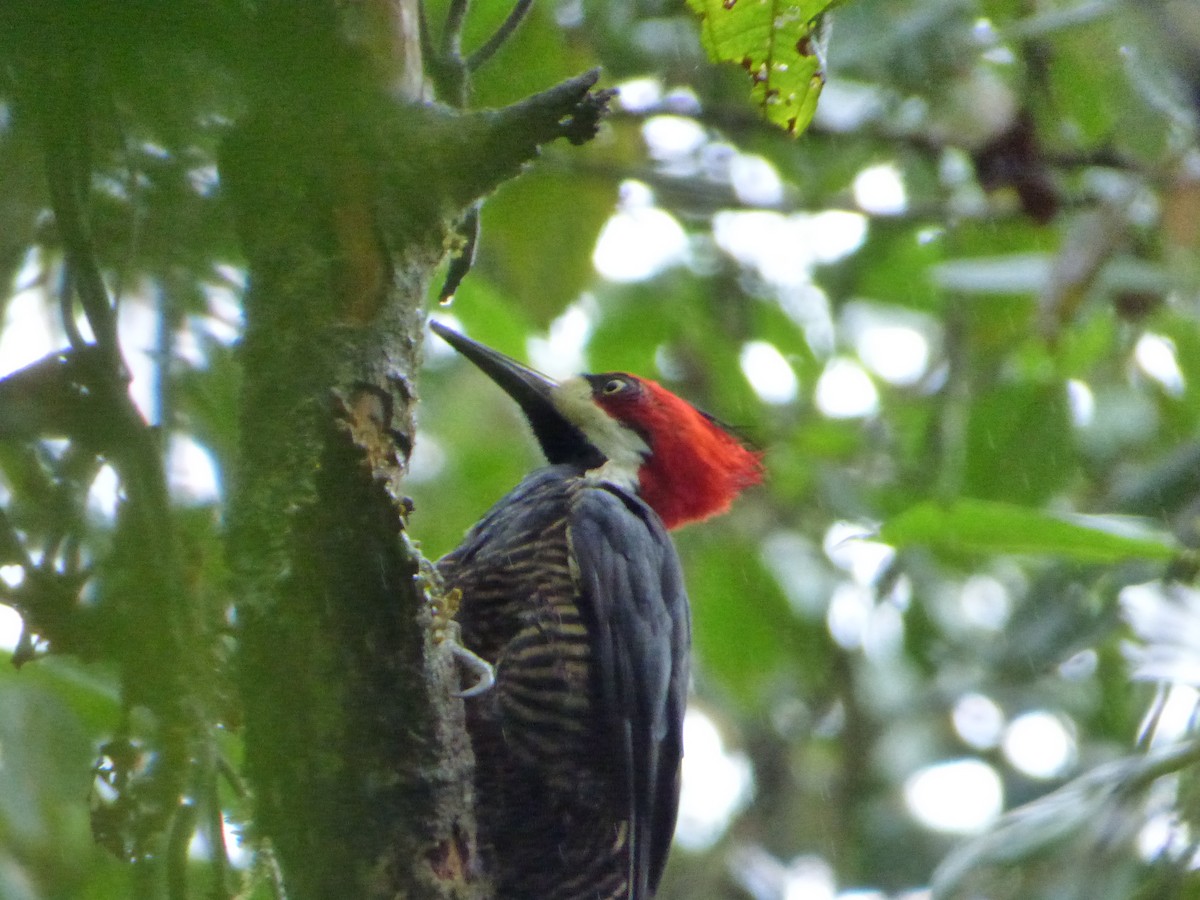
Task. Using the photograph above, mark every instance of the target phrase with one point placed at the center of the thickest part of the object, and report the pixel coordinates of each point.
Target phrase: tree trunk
(345, 186)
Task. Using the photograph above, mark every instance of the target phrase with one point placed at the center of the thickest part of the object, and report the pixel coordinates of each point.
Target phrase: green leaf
(980, 526)
(775, 43)
(745, 634)
(538, 233)
(1019, 445)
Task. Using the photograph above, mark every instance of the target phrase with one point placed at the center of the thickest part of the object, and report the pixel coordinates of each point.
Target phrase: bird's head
(628, 430)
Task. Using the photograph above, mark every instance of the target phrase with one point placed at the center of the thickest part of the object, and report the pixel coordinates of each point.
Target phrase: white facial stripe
(623, 447)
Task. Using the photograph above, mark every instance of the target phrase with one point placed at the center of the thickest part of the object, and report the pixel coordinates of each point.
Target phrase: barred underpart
(557, 814)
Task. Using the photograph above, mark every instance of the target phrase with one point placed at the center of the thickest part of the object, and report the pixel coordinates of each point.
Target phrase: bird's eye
(614, 386)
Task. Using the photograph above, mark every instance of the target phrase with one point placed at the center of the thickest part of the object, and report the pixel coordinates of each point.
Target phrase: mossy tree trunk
(345, 185)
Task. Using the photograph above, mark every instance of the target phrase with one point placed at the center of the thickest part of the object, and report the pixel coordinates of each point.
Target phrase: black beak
(561, 441)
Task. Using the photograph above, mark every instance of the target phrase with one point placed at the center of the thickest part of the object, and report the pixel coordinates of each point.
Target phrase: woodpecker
(571, 588)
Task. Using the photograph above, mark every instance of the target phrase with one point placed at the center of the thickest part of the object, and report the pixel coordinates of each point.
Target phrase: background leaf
(975, 526)
(776, 42)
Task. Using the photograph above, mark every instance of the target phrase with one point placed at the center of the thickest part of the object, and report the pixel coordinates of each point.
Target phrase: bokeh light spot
(670, 137)
(896, 353)
(1155, 356)
(10, 628)
(978, 721)
(1039, 745)
(716, 784)
(880, 190)
(1082, 403)
(962, 796)
(638, 241)
(769, 373)
(845, 391)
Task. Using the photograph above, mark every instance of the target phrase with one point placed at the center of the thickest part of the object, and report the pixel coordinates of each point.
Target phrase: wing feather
(632, 597)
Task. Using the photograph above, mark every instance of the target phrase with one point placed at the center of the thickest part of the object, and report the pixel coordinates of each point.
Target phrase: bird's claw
(446, 633)
(483, 670)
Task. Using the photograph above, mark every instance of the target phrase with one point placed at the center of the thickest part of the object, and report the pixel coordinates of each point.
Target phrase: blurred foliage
(960, 314)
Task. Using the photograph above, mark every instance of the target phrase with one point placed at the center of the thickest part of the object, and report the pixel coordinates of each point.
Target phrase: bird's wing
(632, 598)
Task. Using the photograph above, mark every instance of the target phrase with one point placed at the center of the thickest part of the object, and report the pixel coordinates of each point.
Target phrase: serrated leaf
(980, 526)
(775, 42)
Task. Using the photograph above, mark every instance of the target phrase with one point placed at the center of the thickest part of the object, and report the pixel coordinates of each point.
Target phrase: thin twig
(452, 36)
(231, 776)
(11, 548)
(427, 53)
(164, 354)
(183, 826)
(67, 177)
(82, 262)
(480, 57)
(462, 262)
(215, 823)
(66, 307)
(268, 863)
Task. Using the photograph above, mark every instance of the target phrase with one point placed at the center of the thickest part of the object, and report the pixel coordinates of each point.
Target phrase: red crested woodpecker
(571, 588)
